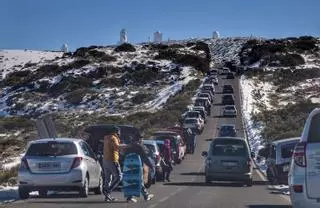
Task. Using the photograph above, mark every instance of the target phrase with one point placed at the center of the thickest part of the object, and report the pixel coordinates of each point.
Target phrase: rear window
(150, 147)
(52, 149)
(193, 114)
(287, 150)
(189, 121)
(229, 147)
(229, 108)
(314, 130)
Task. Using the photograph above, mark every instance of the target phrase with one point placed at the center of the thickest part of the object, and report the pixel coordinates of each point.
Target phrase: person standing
(136, 147)
(111, 166)
(166, 162)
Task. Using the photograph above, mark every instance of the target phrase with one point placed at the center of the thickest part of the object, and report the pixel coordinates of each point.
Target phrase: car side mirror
(204, 154)
(253, 155)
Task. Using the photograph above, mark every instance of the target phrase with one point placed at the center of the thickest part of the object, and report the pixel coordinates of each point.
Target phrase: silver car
(230, 110)
(304, 174)
(61, 164)
(228, 159)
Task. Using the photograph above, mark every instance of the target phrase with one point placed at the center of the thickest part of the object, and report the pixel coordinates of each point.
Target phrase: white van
(304, 175)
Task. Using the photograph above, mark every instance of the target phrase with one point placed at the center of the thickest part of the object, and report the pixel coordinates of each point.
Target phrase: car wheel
(99, 189)
(43, 193)
(23, 193)
(84, 190)
(249, 182)
(208, 180)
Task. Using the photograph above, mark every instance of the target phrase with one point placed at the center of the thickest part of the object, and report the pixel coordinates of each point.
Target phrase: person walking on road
(191, 140)
(166, 161)
(136, 147)
(111, 166)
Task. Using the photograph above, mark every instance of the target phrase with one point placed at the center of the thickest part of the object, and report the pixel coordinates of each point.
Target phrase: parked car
(228, 100)
(205, 95)
(225, 70)
(227, 89)
(194, 114)
(199, 101)
(151, 177)
(304, 175)
(178, 145)
(228, 159)
(278, 157)
(211, 86)
(227, 130)
(214, 79)
(207, 91)
(202, 112)
(154, 153)
(208, 87)
(62, 164)
(213, 72)
(208, 81)
(193, 123)
(230, 110)
(230, 75)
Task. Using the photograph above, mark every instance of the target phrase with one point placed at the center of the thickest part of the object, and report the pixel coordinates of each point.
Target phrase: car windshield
(193, 114)
(229, 108)
(229, 148)
(52, 149)
(314, 130)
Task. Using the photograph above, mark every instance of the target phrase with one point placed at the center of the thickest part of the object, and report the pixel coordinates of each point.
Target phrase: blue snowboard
(132, 175)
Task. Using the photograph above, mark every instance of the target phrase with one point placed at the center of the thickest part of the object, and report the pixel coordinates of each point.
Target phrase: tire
(43, 193)
(249, 182)
(208, 181)
(84, 190)
(23, 193)
(98, 190)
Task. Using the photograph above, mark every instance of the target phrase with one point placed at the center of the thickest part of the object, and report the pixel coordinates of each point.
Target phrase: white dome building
(64, 48)
(123, 36)
(215, 35)
(157, 37)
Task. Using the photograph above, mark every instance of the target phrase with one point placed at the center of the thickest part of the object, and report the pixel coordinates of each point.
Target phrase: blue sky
(47, 24)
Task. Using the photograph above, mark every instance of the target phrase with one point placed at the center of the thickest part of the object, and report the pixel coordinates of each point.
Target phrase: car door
(90, 162)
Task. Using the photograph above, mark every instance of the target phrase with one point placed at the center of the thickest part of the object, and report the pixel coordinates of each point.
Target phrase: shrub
(6, 174)
(102, 56)
(158, 47)
(75, 97)
(77, 64)
(15, 123)
(29, 64)
(175, 45)
(125, 47)
(18, 78)
(112, 82)
(142, 97)
(68, 84)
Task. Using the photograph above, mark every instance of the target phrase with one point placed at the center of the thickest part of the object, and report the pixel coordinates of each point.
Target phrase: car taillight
(249, 163)
(299, 154)
(298, 188)
(24, 164)
(76, 162)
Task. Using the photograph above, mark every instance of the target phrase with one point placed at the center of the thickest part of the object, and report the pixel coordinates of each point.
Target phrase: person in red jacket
(166, 161)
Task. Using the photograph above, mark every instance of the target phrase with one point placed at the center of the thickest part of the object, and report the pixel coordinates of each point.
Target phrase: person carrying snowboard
(111, 166)
(166, 162)
(136, 147)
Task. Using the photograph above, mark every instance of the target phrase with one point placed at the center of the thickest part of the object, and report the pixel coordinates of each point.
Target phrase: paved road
(187, 187)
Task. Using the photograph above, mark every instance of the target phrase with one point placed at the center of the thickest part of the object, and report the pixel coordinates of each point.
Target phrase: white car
(304, 175)
(61, 164)
(195, 114)
(230, 110)
(193, 123)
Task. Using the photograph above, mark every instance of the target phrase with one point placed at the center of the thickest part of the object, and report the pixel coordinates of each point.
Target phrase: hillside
(96, 84)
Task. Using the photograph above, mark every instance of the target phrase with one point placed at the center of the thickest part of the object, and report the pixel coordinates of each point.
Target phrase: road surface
(187, 188)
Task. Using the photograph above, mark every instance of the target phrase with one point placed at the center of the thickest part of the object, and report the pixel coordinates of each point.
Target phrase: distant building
(64, 48)
(215, 35)
(123, 36)
(157, 37)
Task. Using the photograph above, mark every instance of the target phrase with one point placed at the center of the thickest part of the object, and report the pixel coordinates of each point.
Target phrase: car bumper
(74, 178)
(229, 176)
(300, 200)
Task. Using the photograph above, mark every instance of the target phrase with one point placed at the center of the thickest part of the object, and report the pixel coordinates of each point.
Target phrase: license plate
(286, 168)
(49, 165)
(229, 164)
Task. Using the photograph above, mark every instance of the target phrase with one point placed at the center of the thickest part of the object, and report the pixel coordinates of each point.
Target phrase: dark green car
(228, 159)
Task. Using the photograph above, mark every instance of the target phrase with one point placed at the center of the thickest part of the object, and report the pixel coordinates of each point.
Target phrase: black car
(228, 100)
(227, 130)
(203, 102)
(207, 87)
(230, 76)
(227, 89)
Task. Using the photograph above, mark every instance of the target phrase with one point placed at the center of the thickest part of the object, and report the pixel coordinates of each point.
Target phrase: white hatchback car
(304, 175)
(61, 164)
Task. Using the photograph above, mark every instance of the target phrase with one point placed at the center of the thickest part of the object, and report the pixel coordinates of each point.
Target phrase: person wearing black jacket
(136, 147)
